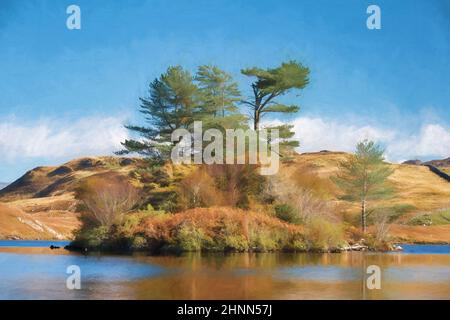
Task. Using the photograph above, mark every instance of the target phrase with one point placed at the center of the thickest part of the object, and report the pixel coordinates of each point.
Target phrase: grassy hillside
(419, 194)
(41, 204)
(17, 224)
(43, 199)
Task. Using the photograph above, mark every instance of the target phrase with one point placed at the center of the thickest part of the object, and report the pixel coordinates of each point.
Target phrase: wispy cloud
(102, 136)
(315, 133)
(432, 140)
(56, 139)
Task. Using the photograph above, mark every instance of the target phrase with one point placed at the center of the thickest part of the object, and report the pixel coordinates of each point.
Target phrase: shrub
(286, 213)
(107, 198)
(139, 243)
(322, 235)
(191, 238)
(421, 220)
(441, 217)
(267, 240)
(220, 229)
(94, 238)
(301, 191)
(198, 190)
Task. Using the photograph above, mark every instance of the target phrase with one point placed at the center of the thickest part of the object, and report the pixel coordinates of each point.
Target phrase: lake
(30, 270)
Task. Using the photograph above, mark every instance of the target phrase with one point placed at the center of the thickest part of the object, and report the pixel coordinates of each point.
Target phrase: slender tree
(271, 84)
(172, 101)
(363, 177)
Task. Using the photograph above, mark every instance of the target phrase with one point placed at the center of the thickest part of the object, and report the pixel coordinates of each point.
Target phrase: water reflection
(39, 273)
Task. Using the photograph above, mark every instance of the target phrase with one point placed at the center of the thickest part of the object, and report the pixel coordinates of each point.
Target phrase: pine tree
(364, 176)
(171, 104)
(273, 83)
(269, 85)
(219, 95)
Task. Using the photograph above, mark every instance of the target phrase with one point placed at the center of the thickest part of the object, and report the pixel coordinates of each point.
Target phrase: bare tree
(107, 198)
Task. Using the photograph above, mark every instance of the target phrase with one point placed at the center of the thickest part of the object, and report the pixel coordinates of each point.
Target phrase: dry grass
(415, 185)
(17, 224)
(428, 234)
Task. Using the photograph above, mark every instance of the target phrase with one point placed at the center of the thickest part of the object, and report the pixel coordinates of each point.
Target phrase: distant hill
(3, 185)
(442, 165)
(439, 163)
(41, 204)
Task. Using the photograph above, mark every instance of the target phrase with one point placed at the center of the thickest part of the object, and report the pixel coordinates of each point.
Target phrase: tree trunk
(363, 215)
(256, 122)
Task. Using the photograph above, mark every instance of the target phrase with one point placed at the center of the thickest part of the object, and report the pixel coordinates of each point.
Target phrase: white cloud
(432, 140)
(102, 136)
(53, 139)
(315, 134)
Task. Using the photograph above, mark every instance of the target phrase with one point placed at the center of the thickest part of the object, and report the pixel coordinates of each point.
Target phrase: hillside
(420, 195)
(414, 185)
(41, 204)
(3, 185)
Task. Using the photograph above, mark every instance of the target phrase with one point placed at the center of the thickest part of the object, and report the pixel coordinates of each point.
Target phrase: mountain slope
(41, 204)
(43, 199)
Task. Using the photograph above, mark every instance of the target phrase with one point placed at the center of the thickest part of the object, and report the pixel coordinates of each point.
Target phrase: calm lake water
(30, 270)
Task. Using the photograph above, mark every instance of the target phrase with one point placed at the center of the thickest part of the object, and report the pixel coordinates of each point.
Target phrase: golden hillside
(41, 204)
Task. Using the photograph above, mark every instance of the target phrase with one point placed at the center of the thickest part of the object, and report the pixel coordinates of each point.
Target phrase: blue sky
(66, 93)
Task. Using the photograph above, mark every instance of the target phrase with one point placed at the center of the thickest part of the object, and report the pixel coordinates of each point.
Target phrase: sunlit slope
(414, 185)
(17, 224)
(41, 204)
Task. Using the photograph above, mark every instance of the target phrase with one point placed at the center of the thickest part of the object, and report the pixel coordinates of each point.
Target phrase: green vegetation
(177, 99)
(363, 177)
(269, 85)
(287, 213)
(162, 207)
(429, 219)
(324, 235)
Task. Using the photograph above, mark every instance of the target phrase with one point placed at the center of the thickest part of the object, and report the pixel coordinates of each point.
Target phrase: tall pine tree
(172, 101)
(273, 83)
(269, 85)
(219, 96)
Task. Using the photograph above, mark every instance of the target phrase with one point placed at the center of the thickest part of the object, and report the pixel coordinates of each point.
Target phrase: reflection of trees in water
(257, 276)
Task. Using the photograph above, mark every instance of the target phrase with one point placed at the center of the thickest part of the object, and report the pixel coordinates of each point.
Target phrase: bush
(191, 238)
(94, 238)
(286, 213)
(107, 198)
(198, 190)
(322, 235)
(301, 191)
(428, 219)
(221, 229)
(139, 243)
(266, 240)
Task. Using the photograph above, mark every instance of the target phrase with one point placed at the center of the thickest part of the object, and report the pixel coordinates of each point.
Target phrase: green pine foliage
(177, 99)
(219, 96)
(364, 177)
(269, 85)
(172, 102)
